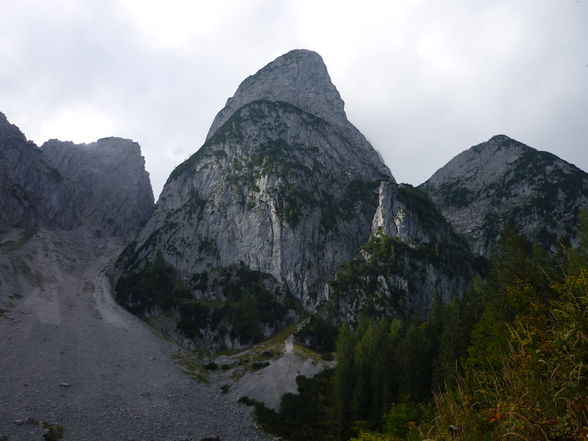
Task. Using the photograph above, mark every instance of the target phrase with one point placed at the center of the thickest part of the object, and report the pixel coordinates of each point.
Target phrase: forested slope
(507, 360)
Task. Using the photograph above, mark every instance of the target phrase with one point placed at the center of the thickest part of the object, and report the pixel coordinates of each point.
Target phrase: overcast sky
(422, 79)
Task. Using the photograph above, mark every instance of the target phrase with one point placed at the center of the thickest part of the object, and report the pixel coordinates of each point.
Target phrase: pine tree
(344, 378)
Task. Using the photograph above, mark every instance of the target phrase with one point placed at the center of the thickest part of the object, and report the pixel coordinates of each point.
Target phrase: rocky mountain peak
(109, 176)
(298, 77)
(64, 185)
(480, 165)
(505, 181)
(500, 142)
(110, 149)
(500, 138)
(8, 130)
(281, 194)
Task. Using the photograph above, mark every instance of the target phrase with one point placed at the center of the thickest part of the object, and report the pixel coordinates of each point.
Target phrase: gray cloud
(422, 80)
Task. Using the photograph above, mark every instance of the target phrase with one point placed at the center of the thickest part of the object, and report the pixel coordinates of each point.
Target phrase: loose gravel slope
(70, 356)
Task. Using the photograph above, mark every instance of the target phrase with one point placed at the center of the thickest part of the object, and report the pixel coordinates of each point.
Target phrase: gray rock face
(404, 214)
(109, 181)
(504, 181)
(30, 190)
(412, 258)
(64, 185)
(275, 188)
(283, 190)
(299, 77)
(284, 185)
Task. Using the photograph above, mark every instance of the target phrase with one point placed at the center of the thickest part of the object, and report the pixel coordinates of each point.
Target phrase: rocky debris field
(267, 371)
(72, 360)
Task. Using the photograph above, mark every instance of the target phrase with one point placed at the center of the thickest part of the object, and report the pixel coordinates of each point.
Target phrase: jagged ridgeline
(282, 193)
(62, 185)
(503, 181)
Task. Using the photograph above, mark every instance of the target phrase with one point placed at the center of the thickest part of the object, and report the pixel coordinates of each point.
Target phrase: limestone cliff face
(255, 222)
(412, 258)
(300, 78)
(504, 181)
(284, 184)
(63, 185)
(30, 189)
(278, 204)
(406, 214)
(109, 181)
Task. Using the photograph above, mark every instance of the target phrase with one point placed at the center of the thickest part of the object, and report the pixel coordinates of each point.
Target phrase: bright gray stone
(503, 180)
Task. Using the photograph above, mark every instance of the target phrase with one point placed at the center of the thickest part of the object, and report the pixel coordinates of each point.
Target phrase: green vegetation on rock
(506, 360)
(245, 306)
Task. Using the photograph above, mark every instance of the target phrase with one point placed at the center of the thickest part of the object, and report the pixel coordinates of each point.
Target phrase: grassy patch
(193, 365)
(305, 352)
(273, 345)
(52, 432)
(260, 355)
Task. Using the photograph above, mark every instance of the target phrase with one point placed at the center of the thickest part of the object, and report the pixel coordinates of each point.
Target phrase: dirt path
(69, 355)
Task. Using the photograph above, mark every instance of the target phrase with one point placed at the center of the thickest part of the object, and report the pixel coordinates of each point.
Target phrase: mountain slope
(504, 181)
(70, 355)
(412, 259)
(65, 185)
(30, 189)
(108, 177)
(276, 189)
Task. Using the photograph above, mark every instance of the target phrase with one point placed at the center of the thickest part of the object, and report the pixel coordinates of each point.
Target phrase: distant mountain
(64, 185)
(504, 181)
(282, 193)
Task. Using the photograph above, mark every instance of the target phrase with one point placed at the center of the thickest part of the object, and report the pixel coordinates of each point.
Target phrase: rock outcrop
(286, 191)
(408, 215)
(31, 191)
(300, 78)
(284, 186)
(108, 178)
(63, 185)
(412, 259)
(504, 181)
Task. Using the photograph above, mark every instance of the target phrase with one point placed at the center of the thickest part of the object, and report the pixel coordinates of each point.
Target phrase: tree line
(508, 359)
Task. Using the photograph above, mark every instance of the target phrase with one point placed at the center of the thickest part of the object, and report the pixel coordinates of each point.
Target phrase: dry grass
(193, 365)
(540, 389)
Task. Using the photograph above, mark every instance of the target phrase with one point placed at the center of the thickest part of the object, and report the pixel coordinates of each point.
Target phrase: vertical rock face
(63, 185)
(405, 213)
(30, 190)
(284, 185)
(412, 258)
(504, 181)
(109, 181)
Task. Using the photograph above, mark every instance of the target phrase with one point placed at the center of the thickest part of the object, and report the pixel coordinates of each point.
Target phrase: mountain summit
(63, 185)
(299, 77)
(503, 181)
(281, 194)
